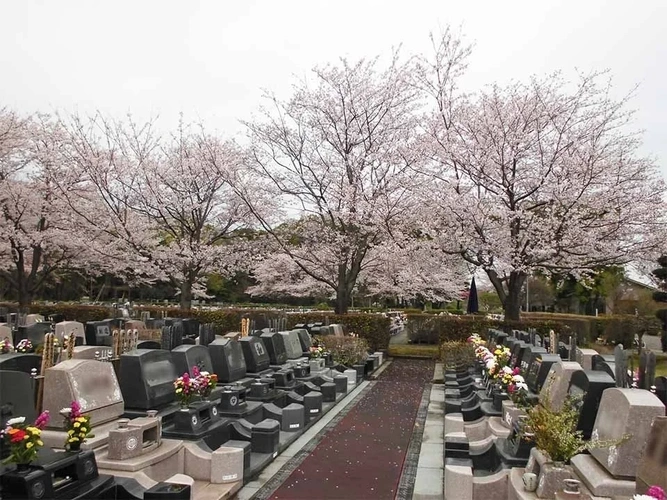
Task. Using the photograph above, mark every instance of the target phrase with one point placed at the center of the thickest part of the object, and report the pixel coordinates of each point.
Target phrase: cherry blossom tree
(338, 157)
(167, 205)
(37, 236)
(540, 176)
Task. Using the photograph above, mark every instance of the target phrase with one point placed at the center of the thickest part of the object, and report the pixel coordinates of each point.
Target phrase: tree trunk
(342, 300)
(24, 297)
(186, 294)
(512, 304)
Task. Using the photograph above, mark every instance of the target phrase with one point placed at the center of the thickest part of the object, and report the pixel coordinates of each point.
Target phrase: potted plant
(77, 425)
(206, 383)
(24, 440)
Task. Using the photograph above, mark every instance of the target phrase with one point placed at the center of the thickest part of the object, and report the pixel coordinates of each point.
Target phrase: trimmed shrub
(455, 353)
(347, 351)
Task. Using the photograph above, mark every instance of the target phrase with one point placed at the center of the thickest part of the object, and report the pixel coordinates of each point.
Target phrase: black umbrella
(473, 302)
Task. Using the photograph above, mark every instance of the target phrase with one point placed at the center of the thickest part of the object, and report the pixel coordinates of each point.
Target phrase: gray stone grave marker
(620, 371)
(643, 359)
(650, 370)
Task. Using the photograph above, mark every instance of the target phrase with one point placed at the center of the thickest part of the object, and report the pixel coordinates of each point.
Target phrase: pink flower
(195, 371)
(657, 492)
(76, 410)
(516, 371)
(42, 419)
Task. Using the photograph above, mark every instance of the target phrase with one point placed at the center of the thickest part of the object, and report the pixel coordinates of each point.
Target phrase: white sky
(211, 59)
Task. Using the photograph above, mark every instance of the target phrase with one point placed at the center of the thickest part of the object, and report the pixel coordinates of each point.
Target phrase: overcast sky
(210, 59)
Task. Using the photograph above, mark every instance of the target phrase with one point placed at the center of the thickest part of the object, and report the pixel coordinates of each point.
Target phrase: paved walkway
(384, 443)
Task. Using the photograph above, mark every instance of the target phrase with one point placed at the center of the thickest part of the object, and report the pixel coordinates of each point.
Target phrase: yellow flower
(26, 437)
(82, 430)
(32, 430)
(71, 440)
(179, 390)
(70, 432)
(77, 424)
(81, 419)
(40, 443)
(28, 445)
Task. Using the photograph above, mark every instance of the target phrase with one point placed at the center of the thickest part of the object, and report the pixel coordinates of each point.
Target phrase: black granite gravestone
(186, 357)
(20, 362)
(17, 397)
(528, 355)
(304, 338)
(147, 378)
(148, 344)
(34, 333)
(98, 333)
(661, 389)
(275, 346)
(501, 338)
(255, 354)
(604, 363)
(540, 364)
(227, 359)
(517, 352)
(292, 344)
(190, 327)
(587, 388)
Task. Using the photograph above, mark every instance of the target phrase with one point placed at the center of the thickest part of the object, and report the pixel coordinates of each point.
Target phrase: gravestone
(620, 366)
(275, 346)
(292, 344)
(98, 333)
(227, 359)
(255, 354)
(34, 333)
(147, 378)
(528, 355)
(91, 383)
(32, 319)
(17, 397)
(190, 327)
(20, 362)
(606, 364)
(624, 412)
(65, 328)
(585, 358)
(6, 333)
(572, 349)
(337, 330)
(185, 357)
(207, 334)
(172, 336)
(305, 339)
(540, 366)
(553, 342)
(555, 388)
(661, 389)
(149, 344)
(650, 370)
(134, 324)
(652, 469)
(641, 372)
(588, 387)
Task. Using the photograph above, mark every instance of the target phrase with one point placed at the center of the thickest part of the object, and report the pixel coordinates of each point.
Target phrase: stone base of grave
(453, 423)
(498, 428)
(598, 480)
(56, 439)
(493, 487)
(201, 490)
(163, 453)
(458, 482)
(517, 491)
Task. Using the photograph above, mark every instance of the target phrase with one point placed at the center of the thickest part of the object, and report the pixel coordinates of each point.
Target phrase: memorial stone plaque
(64, 328)
(275, 346)
(588, 387)
(624, 413)
(147, 378)
(555, 388)
(227, 359)
(304, 338)
(186, 357)
(255, 354)
(20, 362)
(98, 333)
(292, 344)
(92, 384)
(620, 367)
(652, 469)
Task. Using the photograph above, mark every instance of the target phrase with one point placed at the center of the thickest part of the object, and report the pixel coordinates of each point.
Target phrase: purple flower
(42, 419)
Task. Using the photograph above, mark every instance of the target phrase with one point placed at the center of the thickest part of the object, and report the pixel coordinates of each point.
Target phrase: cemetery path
(364, 455)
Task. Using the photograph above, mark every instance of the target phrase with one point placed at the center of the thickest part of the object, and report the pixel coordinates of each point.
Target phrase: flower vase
(24, 467)
(76, 447)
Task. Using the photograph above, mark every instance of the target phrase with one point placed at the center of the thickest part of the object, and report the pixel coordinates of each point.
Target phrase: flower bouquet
(24, 346)
(317, 351)
(206, 382)
(653, 493)
(77, 425)
(186, 388)
(6, 346)
(24, 440)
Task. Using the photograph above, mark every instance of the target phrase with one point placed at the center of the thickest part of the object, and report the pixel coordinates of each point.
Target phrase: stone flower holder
(551, 475)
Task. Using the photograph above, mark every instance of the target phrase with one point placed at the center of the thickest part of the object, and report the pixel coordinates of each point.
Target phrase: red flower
(516, 371)
(17, 437)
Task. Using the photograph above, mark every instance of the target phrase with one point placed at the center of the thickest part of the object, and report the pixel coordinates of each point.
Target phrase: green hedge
(372, 327)
(428, 329)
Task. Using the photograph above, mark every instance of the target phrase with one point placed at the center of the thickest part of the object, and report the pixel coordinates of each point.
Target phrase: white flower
(518, 378)
(14, 421)
(205, 374)
(643, 497)
(521, 385)
(66, 411)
